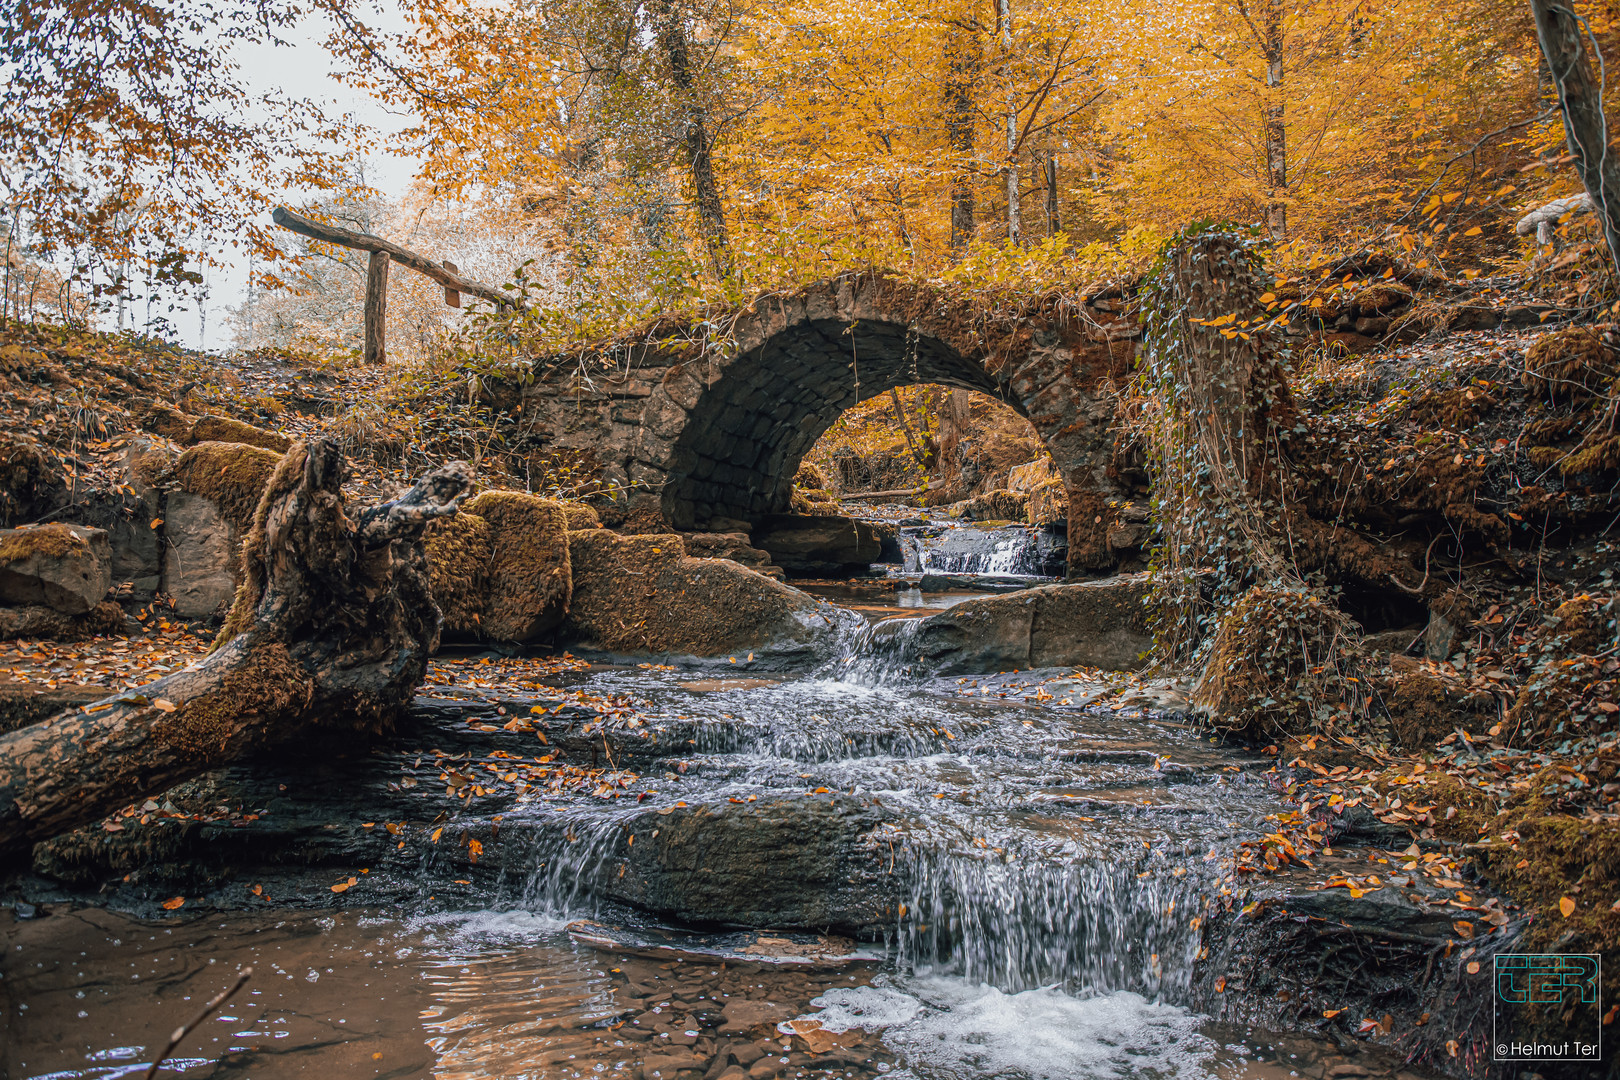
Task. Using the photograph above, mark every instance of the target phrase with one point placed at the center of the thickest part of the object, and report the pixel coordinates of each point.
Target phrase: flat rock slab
(794, 861)
(1100, 624)
(783, 947)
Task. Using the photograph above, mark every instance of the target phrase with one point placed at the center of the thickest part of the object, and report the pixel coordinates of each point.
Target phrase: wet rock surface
(1101, 624)
(809, 545)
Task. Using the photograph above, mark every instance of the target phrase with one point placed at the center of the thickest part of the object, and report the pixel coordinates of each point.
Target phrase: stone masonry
(705, 424)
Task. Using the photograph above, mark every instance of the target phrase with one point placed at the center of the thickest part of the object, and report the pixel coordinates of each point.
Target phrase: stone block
(67, 568)
(1102, 624)
(198, 556)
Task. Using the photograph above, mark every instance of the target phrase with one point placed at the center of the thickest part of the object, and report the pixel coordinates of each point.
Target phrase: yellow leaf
(1475, 231)
(1567, 906)
(436, 833)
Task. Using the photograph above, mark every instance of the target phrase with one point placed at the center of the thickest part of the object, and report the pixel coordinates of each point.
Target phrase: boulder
(581, 516)
(42, 623)
(188, 430)
(499, 569)
(728, 545)
(644, 594)
(67, 568)
(818, 544)
(1047, 504)
(993, 506)
(224, 429)
(198, 556)
(1030, 476)
(529, 578)
(1099, 624)
(216, 492)
(730, 864)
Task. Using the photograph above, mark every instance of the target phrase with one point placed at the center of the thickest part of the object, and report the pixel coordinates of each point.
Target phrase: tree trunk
(1053, 224)
(963, 74)
(699, 150)
(333, 625)
(1276, 131)
(1586, 130)
(1015, 223)
(376, 310)
(917, 454)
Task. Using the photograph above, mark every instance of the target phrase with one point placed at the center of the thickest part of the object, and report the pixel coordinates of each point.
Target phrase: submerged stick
(207, 1010)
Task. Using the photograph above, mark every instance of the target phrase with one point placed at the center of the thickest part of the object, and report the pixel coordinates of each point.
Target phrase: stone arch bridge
(704, 424)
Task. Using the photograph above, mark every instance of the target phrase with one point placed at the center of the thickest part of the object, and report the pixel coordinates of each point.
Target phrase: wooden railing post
(383, 254)
(376, 349)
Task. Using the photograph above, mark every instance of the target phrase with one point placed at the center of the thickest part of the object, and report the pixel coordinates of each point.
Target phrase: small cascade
(566, 853)
(970, 549)
(1112, 921)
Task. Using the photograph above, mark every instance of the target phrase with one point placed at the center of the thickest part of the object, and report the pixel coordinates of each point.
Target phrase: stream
(1000, 884)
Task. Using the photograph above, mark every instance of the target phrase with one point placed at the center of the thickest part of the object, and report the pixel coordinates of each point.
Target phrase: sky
(300, 68)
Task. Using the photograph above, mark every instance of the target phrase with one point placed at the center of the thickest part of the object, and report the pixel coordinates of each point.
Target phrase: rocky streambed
(1005, 881)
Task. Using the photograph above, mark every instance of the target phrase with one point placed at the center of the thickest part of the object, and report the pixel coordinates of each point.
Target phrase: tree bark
(1276, 129)
(376, 309)
(963, 73)
(1580, 99)
(699, 149)
(1015, 223)
(1053, 224)
(333, 625)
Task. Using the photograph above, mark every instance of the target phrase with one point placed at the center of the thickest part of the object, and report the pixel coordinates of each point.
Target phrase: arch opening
(751, 427)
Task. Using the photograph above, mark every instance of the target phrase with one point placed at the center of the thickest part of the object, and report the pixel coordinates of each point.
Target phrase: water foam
(484, 928)
(954, 1029)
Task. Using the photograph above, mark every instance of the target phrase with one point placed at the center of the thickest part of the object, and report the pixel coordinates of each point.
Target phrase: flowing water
(1050, 861)
(962, 548)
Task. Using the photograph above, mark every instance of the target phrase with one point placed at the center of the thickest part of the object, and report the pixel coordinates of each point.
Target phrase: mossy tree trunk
(333, 625)
(1224, 430)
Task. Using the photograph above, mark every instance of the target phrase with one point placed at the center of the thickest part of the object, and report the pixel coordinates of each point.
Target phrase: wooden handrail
(331, 234)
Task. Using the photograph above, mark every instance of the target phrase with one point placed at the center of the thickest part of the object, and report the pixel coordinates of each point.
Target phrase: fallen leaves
(174, 904)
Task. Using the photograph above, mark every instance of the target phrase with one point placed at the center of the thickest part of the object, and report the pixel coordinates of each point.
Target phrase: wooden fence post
(376, 350)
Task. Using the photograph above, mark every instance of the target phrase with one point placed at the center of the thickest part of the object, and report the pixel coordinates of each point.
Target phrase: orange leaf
(170, 905)
(475, 848)
(1567, 906)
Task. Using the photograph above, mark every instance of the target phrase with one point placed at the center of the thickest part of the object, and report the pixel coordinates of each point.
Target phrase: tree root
(333, 625)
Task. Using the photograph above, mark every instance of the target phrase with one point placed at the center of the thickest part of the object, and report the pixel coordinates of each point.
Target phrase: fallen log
(896, 493)
(332, 627)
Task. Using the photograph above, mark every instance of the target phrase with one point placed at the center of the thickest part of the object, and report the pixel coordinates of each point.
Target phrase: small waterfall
(881, 654)
(968, 549)
(567, 854)
(1104, 923)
